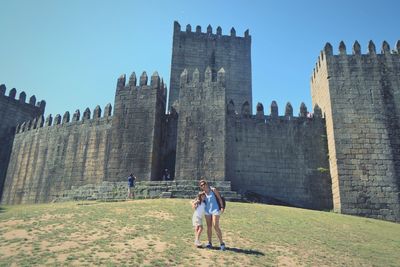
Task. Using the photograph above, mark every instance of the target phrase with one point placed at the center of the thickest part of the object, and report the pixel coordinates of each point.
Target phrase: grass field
(159, 233)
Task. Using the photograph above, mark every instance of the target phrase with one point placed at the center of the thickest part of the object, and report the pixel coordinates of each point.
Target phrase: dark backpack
(222, 198)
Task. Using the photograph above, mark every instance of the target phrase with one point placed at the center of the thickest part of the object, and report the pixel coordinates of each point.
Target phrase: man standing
(131, 185)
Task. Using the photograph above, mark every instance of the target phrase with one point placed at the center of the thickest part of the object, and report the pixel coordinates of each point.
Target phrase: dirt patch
(287, 261)
(67, 245)
(16, 234)
(11, 223)
(160, 215)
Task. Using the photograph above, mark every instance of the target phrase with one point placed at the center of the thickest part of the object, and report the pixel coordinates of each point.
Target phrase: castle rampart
(359, 95)
(279, 157)
(50, 156)
(197, 49)
(13, 111)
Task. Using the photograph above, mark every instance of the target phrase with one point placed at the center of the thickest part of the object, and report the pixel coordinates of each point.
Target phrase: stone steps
(117, 191)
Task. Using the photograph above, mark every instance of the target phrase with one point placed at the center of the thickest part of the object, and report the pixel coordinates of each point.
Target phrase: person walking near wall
(131, 185)
(212, 212)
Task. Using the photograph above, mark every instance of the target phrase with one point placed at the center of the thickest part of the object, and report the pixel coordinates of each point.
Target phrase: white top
(199, 211)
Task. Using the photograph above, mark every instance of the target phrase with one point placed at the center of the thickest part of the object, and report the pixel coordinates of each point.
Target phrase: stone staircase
(117, 191)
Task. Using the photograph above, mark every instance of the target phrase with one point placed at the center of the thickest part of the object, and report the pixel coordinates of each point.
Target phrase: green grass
(159, 233)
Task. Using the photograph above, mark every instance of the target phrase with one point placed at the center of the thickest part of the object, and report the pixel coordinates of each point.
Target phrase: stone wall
(50, 157)
(13, 111)
(138, 120)
(117, 191)
(201, 127)
(280, 158)
(198, 49)
(360, 97)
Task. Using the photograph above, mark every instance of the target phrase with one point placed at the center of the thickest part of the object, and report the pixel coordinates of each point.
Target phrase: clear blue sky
(70, 53)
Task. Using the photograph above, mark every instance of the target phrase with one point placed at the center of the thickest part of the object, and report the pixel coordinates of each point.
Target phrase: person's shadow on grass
(239, 250)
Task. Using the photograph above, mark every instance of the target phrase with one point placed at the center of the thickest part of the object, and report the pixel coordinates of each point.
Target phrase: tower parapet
(139, 111)
(359, 95)
(231, 52)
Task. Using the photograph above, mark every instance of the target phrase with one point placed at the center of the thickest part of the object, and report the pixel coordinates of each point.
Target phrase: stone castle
(344, 155)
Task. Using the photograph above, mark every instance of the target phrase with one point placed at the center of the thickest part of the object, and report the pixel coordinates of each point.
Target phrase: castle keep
(344, 154)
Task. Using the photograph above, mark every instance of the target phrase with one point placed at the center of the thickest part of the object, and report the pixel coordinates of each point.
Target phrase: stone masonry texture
(360, 97)
(13, 112)
(196, 49)
(344, 154)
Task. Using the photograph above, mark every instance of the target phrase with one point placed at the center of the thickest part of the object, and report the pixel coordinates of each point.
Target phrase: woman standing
(212, 212)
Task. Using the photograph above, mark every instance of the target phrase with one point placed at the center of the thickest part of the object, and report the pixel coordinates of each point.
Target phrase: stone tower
(359, 95)
(201, 134)
(13, 112)
(136, 128)
(191, 50)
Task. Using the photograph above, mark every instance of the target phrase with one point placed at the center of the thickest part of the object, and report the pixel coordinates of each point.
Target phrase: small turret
(221, 76)
(121, 82)
(196, 76)
(65, 117)
(342, 48)
(155, 80)
(76, 116)
(49, 120)
(371, 48)
(208, 75)
(40, 121)
(97, 112)
(233, 32)
(143, 79)
(86, 114)
(274, 109)
(209, 29)
(107, 110)
(12, 93)
(260, 111)
(317, 112)
(32, 100)
(132, 80)
(303, 110)
(188, 28)
(246, 110)
(385, 48)
(356, 48)
(2, 89)
(289, 110)
(219, 31)
(328, 49)
(57, 119)
(22, 97)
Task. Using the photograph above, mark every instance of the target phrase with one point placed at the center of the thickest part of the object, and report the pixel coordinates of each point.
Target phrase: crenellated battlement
(208, 34)
(206, 77)
(134, 87)
(65, 121)
(386, 54)
(273, 116)
(21, 98)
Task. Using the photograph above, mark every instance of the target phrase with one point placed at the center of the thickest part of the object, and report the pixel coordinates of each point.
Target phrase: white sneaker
(197, 243)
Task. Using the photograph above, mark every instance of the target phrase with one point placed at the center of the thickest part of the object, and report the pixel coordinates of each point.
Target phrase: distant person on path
(212, 212)
(199, 205)
(166, 175)
(131, 185)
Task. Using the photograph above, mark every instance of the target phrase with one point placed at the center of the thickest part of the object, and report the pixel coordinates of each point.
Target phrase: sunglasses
(201, 185)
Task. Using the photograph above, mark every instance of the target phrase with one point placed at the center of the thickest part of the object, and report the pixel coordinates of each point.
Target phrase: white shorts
(214, 212)
(197, 221)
